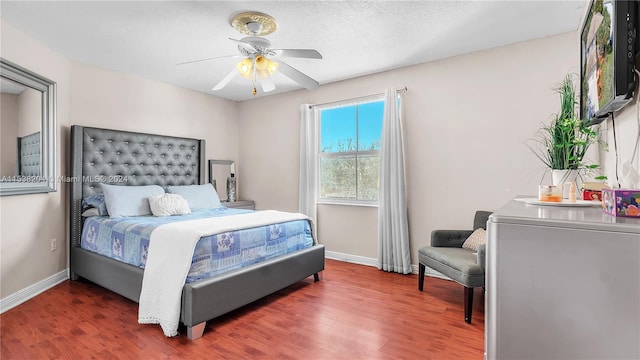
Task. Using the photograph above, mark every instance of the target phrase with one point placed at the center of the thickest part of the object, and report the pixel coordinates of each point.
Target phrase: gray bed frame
(111, 156)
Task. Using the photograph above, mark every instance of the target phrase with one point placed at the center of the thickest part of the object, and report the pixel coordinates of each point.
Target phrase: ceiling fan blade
(267, 84)
(296, 75)
(225, 80)
(209, 59)
(244, 45)
(299, 53)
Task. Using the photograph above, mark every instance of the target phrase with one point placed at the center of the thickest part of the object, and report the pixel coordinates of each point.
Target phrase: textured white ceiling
(148, 38)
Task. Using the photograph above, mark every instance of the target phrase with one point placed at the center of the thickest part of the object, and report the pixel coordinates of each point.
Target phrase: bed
(108, 156)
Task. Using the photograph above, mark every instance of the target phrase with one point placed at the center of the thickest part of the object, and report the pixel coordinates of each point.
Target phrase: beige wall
(466, 123)
(349, 230)
(8, 133)
(102, 98)
(29, 112)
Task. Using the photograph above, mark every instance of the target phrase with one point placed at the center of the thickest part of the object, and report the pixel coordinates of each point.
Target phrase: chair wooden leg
(421, 276)
(468, 304)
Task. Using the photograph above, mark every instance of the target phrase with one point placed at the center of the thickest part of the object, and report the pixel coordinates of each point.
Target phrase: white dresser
(562, 283)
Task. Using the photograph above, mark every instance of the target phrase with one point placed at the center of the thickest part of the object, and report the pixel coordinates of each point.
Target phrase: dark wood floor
(356, 312)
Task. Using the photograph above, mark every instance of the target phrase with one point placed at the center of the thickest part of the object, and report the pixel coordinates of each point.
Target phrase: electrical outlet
(54, 244)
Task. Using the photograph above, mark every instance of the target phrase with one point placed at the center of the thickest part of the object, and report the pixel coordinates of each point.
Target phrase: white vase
(564, 177)
(231, 188)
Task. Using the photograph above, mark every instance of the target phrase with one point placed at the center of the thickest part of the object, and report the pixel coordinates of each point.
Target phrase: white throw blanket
(171, 249)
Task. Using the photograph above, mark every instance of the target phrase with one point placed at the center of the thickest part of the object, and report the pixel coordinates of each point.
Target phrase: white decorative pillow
(199, 197)
(477, 238)
(129, 200)
(168, 204)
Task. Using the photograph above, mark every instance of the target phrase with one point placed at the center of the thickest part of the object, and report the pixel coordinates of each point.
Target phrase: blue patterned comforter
(127, 239)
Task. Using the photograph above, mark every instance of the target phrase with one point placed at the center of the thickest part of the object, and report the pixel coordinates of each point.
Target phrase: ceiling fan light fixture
(244, 67)
(256, 50)
(261, 63)
(272, 67)
(265, 67)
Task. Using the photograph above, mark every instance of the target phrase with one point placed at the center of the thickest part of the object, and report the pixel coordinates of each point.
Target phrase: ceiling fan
(260, 60)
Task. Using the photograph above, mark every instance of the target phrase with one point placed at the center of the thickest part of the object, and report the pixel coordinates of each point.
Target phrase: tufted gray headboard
(128, 158)
(29, 160)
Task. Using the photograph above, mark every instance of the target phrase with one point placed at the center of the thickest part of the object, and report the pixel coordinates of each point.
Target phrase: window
(349, 153)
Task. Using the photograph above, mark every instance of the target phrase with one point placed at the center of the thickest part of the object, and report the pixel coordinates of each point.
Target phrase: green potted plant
(562, 144)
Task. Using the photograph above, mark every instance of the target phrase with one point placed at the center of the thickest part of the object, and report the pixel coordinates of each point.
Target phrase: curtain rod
(400, 91)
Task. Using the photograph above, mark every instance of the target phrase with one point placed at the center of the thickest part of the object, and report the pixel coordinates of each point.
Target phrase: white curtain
(308, 165)
(393, 229)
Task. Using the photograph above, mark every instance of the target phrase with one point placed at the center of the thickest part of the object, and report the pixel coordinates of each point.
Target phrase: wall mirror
(27, 131)
(219, 171)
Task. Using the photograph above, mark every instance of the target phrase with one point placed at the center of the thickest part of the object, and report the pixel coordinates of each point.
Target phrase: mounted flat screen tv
(608, 57)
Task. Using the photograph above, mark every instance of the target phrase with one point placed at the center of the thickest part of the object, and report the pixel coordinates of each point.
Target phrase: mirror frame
(231, 164)
(46, 182)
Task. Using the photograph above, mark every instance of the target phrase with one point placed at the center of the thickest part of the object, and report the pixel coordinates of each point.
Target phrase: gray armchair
(447, 256)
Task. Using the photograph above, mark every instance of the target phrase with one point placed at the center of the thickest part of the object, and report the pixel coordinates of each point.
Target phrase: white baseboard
(374, 262)
(32, 291)
(351, 258)
(430, 272)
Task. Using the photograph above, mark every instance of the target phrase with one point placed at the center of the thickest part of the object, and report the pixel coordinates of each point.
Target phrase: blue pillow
(129, 200)
(199, 197)
(95, 201)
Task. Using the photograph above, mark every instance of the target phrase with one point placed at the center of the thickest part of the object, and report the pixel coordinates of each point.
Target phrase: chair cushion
(457, 263)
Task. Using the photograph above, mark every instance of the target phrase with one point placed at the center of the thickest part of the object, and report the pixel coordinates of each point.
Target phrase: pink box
(592, 195)
(621, 202)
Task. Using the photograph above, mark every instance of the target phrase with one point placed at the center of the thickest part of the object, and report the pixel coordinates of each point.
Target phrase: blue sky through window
(339, 127)
(370, 125)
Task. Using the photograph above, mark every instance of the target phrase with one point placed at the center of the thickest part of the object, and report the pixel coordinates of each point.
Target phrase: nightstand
(240, 204)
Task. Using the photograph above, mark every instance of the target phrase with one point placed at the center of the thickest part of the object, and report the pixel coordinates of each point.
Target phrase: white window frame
(320, 155)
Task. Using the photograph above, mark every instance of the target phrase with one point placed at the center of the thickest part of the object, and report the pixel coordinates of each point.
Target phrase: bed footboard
(210, 298)
(119, 277)
(206, 299)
